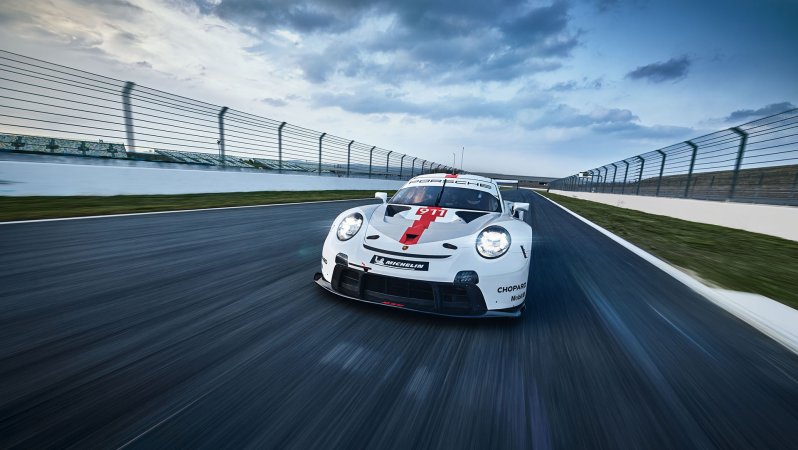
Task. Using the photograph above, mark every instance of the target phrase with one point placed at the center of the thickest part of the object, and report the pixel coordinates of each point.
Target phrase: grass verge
(26, 208)
(730, 258)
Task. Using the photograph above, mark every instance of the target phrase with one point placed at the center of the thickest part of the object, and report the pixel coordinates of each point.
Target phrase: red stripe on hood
(428, 215)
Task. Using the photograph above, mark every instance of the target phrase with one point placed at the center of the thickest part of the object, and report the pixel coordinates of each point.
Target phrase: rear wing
(513, 184)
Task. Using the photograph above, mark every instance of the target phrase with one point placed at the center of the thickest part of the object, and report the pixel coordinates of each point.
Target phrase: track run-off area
(205, 329)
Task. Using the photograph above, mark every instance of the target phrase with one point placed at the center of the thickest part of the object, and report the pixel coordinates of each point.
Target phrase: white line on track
(770, 317)
(103, 216)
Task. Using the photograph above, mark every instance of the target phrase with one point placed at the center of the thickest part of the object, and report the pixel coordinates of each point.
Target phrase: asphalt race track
(205, 329)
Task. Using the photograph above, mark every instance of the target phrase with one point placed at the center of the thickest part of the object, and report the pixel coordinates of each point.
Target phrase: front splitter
(487, 314)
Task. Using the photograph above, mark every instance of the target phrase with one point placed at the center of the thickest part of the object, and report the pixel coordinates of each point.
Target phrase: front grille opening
(349, 281)
(412, 289)
(454, 297)
(416, 294)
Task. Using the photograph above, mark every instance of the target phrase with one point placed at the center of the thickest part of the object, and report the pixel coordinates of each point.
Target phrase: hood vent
(392, 210)
(468, 216)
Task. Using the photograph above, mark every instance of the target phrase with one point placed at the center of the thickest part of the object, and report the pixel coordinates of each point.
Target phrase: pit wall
(24, 175)
(780, 221)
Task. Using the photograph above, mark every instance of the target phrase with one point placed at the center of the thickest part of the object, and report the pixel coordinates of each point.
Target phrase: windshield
(447, 197)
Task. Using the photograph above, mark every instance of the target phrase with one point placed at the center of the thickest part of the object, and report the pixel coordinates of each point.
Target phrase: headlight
(493, 242)
(349, 226)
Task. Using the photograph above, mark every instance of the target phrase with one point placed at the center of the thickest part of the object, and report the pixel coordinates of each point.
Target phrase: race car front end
(387, 261)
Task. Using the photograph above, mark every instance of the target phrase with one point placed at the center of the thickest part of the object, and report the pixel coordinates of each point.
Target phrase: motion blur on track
(201, 329)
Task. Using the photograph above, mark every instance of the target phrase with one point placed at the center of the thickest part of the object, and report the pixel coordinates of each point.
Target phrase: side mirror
(382, 196)
(519, 209)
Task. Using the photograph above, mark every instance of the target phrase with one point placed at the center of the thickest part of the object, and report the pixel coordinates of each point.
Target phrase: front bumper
(445, 299)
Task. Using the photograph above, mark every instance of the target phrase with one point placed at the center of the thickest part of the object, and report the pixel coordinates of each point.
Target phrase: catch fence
(756, 162)
(50, 108)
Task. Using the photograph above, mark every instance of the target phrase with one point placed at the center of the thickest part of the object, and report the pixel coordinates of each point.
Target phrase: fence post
(388, 164)
(280, 148)
(320, 139)
(413, 167)
(348, 156)
(740, 153)
(371, 154)
(661, 170)
(604, 184)
(221, 133)
(640, 174)
(401, 166)
(128, 110)
(598, 180)
(625, 175)
(692, 165)
(614, 173)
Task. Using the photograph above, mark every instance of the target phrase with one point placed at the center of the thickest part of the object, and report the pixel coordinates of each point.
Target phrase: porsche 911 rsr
(443, 244)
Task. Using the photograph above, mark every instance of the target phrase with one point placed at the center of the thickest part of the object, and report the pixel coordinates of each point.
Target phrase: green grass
(729, 258)
(21, 208)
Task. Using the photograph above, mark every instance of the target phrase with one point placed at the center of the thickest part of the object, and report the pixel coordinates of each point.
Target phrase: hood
(418, 225)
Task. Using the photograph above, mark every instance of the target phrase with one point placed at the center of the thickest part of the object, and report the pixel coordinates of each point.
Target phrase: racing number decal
(427, 214)
(431, 211)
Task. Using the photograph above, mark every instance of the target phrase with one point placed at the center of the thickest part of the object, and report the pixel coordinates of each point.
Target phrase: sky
(543, 88)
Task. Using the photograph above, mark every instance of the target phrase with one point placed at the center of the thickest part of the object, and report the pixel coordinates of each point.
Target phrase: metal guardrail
(756, 162)
(46, 100)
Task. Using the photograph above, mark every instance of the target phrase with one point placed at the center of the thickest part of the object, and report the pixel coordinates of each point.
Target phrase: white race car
(444, 244)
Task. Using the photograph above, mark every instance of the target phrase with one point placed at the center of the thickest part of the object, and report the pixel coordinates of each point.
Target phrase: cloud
(277, 102)
(449, 41)
(613, 121)
(574, 85)
(742, 115)
(606, 5)
(304, 17)
(564, 116)
(637, 131)
(441, 108)
(672, 69)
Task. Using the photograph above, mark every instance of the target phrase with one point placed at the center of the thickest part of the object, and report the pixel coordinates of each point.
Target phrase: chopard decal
(515, 287)
(399, 263)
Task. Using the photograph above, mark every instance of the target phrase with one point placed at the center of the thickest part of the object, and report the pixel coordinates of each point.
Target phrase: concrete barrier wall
(23, 175)
(780, 221)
